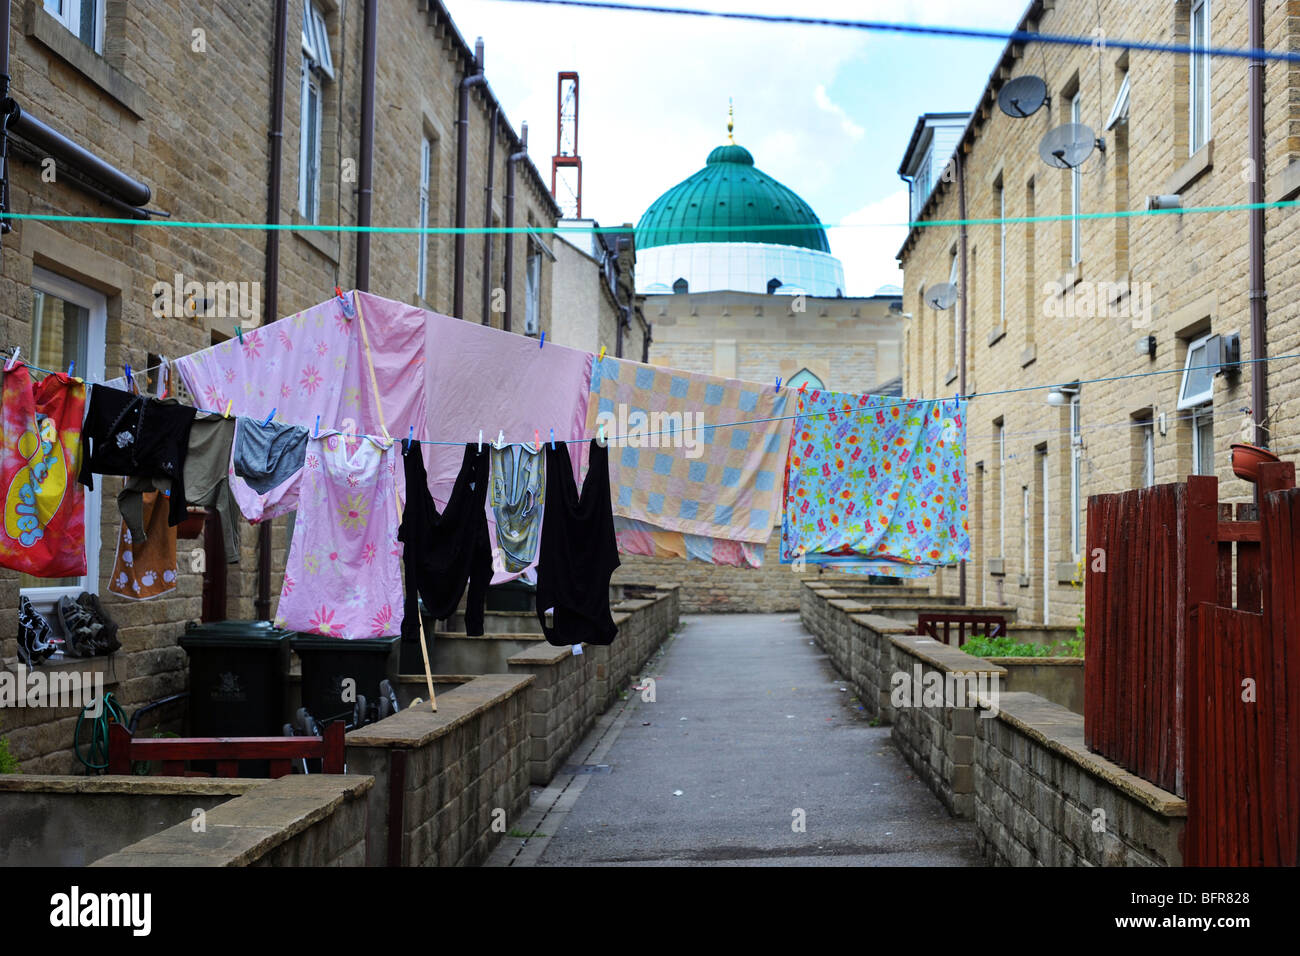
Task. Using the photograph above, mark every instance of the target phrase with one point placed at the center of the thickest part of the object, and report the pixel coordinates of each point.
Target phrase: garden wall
(1013, 761)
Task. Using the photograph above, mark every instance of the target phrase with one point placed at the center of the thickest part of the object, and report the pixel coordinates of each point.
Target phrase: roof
(731, 191)
(922, 122)
(1001, 73)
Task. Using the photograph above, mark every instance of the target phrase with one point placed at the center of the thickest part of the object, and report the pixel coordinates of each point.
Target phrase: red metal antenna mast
(566, 146)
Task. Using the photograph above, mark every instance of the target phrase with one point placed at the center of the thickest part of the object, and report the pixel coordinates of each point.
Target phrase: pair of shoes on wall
(108, 627)
(80, 629)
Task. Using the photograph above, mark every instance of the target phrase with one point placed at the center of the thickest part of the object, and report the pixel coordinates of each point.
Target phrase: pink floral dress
(343, 577)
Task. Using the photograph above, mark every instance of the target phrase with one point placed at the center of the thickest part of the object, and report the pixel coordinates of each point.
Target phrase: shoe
(108, 633)
(80, 629)
(34, 643)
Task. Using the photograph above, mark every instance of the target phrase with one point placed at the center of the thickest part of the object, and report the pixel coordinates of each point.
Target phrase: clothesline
(670, 433)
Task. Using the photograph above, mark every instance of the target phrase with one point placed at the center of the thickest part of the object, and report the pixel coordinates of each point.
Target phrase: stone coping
(634, 604)
(418, 726)
(883, 625)
(943, 656)
(1050, 661)
(545, 654)
(418, 678)
(245, 829)
(490, 636)
(127, 783)
(1061, 731)
(1006, 610)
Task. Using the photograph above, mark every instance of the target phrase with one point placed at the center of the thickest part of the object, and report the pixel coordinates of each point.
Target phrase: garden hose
(110, 712)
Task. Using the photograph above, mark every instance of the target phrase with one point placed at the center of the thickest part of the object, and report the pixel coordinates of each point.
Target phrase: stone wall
(1014, 762)
(447, 784)
(314, 820)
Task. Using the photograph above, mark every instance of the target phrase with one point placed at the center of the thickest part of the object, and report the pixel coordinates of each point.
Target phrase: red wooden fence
(1170, 657)
(123, 750)
(940, 625)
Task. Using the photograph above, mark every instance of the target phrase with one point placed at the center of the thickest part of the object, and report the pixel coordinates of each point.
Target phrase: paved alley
(749, 725)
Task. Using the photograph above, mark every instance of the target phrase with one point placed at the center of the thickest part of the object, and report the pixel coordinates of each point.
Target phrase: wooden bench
(173, 752)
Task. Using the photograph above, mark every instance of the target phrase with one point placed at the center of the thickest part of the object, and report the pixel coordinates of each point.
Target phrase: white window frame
(1002, 490)
(1202, 418)
(96, 304)
(1076, 190)
(1076, 470)
(532, 291)
(1026, 549)
(68, 13)
(1119, 112)
(1148, 453)
(1185, 400)
(1002, 256)
(316, 39)
(422, 264)
(1198, 103)
(1047, 539)
(309, 149)
(956, 324)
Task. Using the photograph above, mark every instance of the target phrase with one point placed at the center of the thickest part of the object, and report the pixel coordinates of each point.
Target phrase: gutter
(365, 163)
(477, 78)
(271, 300)
(1258, 284)
(513, 158)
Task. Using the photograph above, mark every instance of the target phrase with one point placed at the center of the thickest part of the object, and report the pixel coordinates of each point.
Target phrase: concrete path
(749, 726)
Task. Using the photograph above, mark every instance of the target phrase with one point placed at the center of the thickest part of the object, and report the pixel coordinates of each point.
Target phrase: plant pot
(192, 525)
(1246, 460)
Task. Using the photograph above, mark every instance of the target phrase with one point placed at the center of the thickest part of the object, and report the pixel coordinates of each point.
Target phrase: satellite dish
(1066, 147)
(941, 297)
(1023, 96)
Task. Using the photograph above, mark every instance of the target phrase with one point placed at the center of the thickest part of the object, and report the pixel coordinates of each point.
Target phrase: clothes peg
(239, 331)
(600, 436)
(542, 343)
(317, 435)
(229, 403)
(269, 417)
(552, 439)
(501, 439)
(778, 384)
(480, 439)
(410, 440)
(13, 359)
(130, 379)
(537, 440)
(71, 366)
(602, 353)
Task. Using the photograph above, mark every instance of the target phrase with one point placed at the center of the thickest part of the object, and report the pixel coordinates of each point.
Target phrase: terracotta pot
(1246, 460)
(192, 525)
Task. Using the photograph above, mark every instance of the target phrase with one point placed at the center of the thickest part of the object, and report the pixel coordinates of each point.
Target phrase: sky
(827, 111)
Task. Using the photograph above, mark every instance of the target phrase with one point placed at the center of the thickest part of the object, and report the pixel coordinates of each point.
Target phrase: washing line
(901, 403)
(967, 33)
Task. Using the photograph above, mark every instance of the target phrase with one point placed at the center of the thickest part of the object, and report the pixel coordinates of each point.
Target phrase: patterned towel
(877, 484)
(673, 466)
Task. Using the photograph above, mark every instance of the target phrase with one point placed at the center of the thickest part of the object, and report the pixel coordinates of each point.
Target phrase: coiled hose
(110, 712)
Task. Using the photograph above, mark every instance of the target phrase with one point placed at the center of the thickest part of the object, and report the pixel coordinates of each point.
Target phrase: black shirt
(130, 435)
(442, 551)
(578, 552)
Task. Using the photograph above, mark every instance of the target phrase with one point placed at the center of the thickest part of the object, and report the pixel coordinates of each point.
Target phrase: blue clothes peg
(542, 343)
(239, 331)
(269, 417)
(317, 435)
(778, 384)
(552, 439)
(410, 440)
(71, 366)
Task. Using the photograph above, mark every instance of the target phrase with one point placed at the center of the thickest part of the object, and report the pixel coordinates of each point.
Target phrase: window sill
(996, 336)
(1202, 162)
(998, 567)
(1025, 581)
(1028, 356)
(1286, 185)
(325, 243)
(1066, 572)
(951, 377)
(1070, 279)
(60, 41)
(74, 665)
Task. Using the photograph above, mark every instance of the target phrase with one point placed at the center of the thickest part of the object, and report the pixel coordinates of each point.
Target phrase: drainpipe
(4, 135)
(270, 301)
(961, 359)
(1258, 286)
(365, 164)
(645, 343)
(487, 219)
(477, 78)
(513, 158)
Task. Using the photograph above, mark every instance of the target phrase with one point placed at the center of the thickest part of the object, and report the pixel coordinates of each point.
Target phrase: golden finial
(731, 121)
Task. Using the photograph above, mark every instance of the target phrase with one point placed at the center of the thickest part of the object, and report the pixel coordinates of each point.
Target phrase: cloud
(867, 240)
(824, 103)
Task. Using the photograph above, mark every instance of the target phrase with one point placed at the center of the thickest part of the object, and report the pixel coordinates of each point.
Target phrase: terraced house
(1080, 173)
(335, 115)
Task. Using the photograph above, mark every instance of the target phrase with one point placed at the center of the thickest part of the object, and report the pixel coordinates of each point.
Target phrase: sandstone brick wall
(1194, 266)
(136, 106)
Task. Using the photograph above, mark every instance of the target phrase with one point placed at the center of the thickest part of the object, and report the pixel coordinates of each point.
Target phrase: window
(802, 376)
(85, 18)
(1198, 379)
(681, 286)
(533, 292)
(317, 66)
(1076, 496)
(422, 259)
(1044, 479)
(1203, 440)
(1119, 112)
(1199, 68)
(1002, 256)
(68, 325)
(1025, 554)
(922, 184)
(1002, 488)
(956, 323)
(1147, 448)
(1076, 190)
